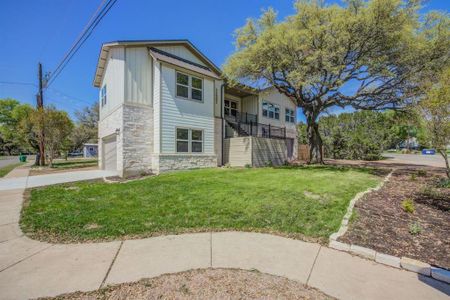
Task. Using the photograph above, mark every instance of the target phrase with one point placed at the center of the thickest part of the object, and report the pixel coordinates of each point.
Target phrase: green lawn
(309, 201)
(74, 163)
(8, 168)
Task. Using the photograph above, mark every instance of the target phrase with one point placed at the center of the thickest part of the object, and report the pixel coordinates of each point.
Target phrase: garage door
(110, 154)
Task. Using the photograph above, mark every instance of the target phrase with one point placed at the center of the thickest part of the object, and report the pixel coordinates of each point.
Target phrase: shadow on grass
(338, 168)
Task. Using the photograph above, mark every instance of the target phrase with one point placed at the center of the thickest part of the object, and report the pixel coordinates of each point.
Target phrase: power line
(85, 34)
(69, 96)
(18, 83)
(52, 89)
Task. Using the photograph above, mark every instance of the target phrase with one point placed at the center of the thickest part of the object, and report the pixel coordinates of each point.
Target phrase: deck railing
(257, 130)
(245, 118)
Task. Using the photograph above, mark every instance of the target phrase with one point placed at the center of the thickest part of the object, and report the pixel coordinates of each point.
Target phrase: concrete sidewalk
(14, 182)
(30, 269)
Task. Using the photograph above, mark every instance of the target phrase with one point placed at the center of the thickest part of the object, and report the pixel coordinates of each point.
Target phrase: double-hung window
(189, 140)
(290, 115)
(189, 87)
(270, 110)
(103, 95)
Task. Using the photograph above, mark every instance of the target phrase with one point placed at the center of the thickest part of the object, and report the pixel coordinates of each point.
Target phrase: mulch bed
(206, 284)
(382, 224)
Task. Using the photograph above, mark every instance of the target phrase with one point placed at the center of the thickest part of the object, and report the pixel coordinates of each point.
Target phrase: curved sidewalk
(30, 269)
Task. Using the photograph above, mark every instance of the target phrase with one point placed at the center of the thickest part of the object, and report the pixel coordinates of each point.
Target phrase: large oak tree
(366, 54)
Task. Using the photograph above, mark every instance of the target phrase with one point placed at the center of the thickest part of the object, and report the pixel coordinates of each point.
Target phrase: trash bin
(22, 158)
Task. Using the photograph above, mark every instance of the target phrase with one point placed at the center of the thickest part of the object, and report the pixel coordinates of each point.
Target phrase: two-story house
(165, 106)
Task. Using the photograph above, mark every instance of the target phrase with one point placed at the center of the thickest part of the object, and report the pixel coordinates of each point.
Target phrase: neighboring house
(165, 106)
(90, 150)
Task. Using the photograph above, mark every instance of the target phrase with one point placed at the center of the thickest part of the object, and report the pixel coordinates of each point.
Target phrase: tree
(358, 135)
(12, 113)
(367, 55)
(436, 112)
(56, 129)
(86, 129)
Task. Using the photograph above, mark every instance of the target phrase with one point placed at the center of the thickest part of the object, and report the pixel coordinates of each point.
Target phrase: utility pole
(40, 108)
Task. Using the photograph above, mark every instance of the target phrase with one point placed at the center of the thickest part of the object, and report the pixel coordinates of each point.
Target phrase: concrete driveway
(414, 159)
(49, 179)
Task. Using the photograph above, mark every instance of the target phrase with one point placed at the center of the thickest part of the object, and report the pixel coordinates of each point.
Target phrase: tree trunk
(447, 166)
(314, 139)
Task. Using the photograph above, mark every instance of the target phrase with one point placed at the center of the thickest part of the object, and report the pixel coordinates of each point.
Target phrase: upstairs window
(290, 115)
(189, 140)
(271, 111)
(189, 87)
(197, 88)
(103, 95)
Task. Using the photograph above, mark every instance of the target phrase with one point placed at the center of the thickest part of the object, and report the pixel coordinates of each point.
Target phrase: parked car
(76, 154)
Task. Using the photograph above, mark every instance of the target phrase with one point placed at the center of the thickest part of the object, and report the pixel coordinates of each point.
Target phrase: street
(415, 159)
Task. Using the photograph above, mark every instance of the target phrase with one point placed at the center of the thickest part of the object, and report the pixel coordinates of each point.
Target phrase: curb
(404, 263)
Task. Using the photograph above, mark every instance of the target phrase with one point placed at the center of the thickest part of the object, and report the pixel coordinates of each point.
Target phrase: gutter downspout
(222, 95)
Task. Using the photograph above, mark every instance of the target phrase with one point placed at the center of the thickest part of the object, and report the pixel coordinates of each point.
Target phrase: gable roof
(172, 59)
(99, 72)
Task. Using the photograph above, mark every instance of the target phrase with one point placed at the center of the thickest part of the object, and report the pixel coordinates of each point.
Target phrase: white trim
(268, 111)
(189, 140)
(189, 87)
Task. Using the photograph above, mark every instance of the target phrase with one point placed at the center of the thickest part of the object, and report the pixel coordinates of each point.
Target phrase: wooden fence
(303, 152)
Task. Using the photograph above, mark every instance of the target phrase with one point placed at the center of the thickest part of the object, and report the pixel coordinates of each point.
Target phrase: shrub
(421, 173)
(269, 163)
(415, 228)
(248, 166)
(430, 192)
(413, 177)
(408, 206)
(443, 183)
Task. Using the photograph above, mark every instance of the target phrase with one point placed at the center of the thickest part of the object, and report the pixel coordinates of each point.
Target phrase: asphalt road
(415, 159)
(8, 161)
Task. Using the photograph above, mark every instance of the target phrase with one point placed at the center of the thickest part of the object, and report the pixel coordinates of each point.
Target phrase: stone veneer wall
(107, 127)
(137, 135)
(168, 162)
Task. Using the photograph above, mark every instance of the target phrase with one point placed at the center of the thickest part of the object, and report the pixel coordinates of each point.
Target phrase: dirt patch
(206, 284)
(381, 220)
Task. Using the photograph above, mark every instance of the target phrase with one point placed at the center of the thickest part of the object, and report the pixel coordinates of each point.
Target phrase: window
(197, 141)
(197, 86)
(189, 140)
(189, 87)
(182, 85)
(182, 140)
(290, 115)
(230, 108)
(103, 95)
(270, 110)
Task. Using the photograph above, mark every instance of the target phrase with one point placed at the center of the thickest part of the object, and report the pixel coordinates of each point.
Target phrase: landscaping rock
(339, 246)
(440, 274)
(415, 266)
(362, 251)
(389, 260)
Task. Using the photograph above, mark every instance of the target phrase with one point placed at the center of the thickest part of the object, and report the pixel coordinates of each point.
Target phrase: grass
(75, 163)
(305, 201)
(5, 170)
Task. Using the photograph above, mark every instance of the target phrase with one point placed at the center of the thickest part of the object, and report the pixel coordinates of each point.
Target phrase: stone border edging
(382, 258)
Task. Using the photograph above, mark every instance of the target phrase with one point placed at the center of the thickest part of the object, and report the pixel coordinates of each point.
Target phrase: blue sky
(43, 30)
